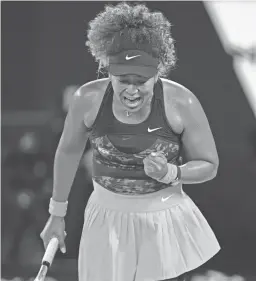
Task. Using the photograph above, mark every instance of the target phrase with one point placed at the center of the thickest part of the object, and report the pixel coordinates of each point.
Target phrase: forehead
(132, 77)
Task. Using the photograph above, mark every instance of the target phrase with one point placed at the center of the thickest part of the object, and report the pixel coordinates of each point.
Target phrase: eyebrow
(138, 79)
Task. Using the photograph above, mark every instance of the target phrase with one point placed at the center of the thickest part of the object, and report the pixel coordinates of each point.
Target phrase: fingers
(151, 169)
(158, 158)
(148, 170)
(155, 165)
(151, 165)
(61, 239)
(62, 243)
(62, 246)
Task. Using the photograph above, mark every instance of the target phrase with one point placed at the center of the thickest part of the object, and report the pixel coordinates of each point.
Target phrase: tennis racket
(47, 259)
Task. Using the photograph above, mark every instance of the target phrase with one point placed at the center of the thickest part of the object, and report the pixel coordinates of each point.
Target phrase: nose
(132, 90)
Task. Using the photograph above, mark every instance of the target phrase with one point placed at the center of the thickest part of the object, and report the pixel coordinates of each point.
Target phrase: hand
(155, 165)
(55, 227)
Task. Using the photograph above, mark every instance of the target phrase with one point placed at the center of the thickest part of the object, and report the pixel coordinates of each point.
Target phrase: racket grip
(50, 251)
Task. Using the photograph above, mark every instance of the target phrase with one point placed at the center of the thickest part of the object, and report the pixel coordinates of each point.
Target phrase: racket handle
(50, 251)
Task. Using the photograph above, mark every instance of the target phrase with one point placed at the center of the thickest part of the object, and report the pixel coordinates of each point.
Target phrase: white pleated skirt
(149, 237)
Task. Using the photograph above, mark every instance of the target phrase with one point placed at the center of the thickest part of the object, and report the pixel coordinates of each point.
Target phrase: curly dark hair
(143, 26)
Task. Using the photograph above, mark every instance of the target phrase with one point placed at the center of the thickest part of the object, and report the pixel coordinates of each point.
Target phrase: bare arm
(83, 110)
(70, 148)
(198, 143)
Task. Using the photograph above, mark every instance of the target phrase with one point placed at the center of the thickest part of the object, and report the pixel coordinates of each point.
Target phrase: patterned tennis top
(119, 148)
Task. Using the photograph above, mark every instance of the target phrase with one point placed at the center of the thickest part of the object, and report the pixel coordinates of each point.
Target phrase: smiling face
(132, 92)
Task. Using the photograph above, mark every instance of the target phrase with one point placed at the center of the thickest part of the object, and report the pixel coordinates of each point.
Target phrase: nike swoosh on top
(152, 130)
(129, 58)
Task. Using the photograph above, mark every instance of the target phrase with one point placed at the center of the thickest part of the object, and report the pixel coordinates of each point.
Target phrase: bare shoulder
(184, 101)
(188, 107)
(88, 98)
(91, 93)
(179, 94)
(176, 100)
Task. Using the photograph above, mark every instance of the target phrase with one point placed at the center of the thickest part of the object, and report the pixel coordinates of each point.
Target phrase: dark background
(43, 51)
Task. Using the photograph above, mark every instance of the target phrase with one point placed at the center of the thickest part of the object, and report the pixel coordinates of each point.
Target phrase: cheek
(146, 93)
(118, 88)
(147, 88)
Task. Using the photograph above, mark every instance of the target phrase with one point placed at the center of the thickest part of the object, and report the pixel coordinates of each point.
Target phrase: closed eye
(134, 83)
(132, 80)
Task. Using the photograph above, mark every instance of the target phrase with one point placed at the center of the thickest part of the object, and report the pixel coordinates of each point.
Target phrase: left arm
(198, 143)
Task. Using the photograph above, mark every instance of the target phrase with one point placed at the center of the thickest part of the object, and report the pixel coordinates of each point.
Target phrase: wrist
(178, 177)
(56, 218)
(57, 208)
(172, 176)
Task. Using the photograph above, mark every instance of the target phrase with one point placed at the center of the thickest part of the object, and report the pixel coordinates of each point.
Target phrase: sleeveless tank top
(119, 148)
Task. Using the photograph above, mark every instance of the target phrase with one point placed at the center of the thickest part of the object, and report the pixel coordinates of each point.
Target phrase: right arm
(70, 148)
(83, 110)
(81, 115)
(66, 161)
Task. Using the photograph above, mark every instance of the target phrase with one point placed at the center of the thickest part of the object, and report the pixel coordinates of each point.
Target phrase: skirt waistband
(160, 200)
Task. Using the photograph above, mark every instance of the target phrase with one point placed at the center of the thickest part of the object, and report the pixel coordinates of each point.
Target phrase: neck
(123, 113)
(128, 113)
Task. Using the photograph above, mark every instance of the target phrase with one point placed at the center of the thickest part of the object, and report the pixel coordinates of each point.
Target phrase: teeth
(132, 99)
(132, 103)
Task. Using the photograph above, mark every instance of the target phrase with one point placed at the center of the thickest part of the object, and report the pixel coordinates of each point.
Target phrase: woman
(138, 223)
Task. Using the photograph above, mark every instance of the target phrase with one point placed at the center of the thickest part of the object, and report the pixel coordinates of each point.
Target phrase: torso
(171, 93)
(120, 145)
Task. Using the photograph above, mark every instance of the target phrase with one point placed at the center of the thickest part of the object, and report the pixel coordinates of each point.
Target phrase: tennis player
(139, 224)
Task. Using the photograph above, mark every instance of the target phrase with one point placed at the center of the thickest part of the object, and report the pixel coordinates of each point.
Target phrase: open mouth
(132, 102)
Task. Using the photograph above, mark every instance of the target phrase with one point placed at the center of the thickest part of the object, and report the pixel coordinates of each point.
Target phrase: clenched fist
(155, 165)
